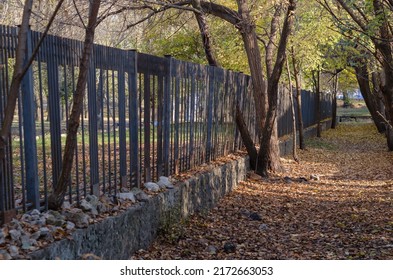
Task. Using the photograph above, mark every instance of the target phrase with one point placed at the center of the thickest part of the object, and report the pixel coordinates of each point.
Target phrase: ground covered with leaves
(337, 203)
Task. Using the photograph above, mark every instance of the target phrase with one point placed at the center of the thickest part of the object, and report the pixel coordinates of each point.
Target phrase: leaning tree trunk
(246, 137)
(371, 100)
(205, 34)
(56, 198)
(384, 46)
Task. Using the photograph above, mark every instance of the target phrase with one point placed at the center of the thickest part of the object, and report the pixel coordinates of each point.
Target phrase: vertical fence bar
(133, 121)
(93, 127)
(122, 123)
(177, 116)
(192, 115)
(146, 126)
(181, 114)
(167, 114)
(160, 120)
(210, 99)
(54, 109)
(29, 128)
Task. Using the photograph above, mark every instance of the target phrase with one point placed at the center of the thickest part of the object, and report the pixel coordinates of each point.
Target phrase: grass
(357, 109)
(320, 143)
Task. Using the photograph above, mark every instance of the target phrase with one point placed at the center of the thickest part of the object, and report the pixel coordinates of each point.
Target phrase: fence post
(192, 115)
(29, 129)
(122, 122)
(93, 127)
(210, 99)
(54, 108)
(146, 125)
(134, 121)
(159, 121)
(238, 102)
(177, 116)
(167, 114)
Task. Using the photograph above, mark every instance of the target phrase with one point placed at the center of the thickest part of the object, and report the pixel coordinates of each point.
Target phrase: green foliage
(229, 46)
(181, 45)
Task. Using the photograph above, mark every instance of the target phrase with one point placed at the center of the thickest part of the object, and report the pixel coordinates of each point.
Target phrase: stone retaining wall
(119, 237)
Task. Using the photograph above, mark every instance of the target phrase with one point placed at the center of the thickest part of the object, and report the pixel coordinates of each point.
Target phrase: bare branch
(385, 120)
(263, 41)
(361, 13)
(79, 15)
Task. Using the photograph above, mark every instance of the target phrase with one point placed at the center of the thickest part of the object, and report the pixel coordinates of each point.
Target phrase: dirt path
(346, 212)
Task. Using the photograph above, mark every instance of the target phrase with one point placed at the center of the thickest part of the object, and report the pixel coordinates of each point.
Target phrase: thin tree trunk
(56, 198)
(294, 153)
(16, 81)
(334, 100)
(296, 72)
(316, 80)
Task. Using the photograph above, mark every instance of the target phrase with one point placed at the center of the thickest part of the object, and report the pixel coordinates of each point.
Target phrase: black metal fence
(143, 117)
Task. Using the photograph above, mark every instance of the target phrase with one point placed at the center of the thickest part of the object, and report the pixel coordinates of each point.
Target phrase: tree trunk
(56, 198)
(296, 73)
(375, 78)
(265, 160)
(246, 137)
(205, 34)
(268, 154)
(316, 80)
(266, 128)
(334, 100)
(383, 44)
(248, 32)
(362, 76)
(17, 77)
(294, 153)
(12, 97)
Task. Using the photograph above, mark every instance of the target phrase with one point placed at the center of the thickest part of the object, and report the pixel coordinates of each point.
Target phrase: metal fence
(143, 117)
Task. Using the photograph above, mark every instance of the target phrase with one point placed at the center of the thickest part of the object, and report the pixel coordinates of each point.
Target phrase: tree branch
(352, 14)
(286, 31)
(274, 28)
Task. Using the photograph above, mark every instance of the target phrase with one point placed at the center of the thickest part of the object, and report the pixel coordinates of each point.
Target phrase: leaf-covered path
(344, 212)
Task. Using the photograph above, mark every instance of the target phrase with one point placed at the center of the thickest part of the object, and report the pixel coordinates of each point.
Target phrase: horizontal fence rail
(143, 117)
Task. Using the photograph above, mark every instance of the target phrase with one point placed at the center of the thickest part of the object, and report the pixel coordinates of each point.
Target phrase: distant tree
(368, 23)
